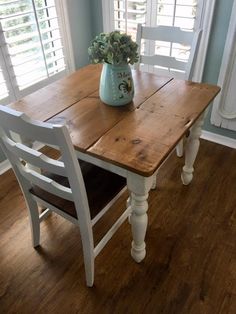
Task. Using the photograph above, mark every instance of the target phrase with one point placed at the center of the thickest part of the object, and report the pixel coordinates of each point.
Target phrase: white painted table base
(139, 187)
(191, 150)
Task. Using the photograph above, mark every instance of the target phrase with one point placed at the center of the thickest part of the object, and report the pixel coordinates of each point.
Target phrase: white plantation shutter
(126, 14)
(31, 45)
(6, 91)
(181, 13)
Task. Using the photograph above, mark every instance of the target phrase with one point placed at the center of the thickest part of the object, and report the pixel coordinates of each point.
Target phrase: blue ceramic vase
(116, 84)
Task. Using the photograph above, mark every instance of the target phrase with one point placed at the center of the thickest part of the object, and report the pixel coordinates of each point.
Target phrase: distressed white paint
(11, 120)
(139, 188)
(191, 150)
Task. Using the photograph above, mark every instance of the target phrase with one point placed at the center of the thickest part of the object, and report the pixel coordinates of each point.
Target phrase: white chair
(173, 35)
(76, 190)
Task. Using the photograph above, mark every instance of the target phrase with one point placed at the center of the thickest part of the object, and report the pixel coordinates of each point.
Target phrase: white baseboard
(219, 139)
(209, 136)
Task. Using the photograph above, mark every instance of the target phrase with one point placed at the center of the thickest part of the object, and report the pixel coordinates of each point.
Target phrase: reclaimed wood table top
(138, 136)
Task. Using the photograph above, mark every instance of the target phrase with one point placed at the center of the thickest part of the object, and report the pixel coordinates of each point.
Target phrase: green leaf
(114, 48)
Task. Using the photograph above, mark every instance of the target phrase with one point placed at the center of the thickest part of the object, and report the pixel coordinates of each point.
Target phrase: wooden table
(132, 140)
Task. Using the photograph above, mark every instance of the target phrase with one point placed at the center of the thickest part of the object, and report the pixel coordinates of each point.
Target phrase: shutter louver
(128, 13)
(180, 13)
(32, 40)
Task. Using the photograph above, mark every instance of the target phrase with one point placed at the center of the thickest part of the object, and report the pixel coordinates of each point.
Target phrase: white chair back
(31, 168)
(14, 122)
(171, 35)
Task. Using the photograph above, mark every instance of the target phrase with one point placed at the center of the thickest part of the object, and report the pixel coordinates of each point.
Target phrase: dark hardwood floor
(190, 267)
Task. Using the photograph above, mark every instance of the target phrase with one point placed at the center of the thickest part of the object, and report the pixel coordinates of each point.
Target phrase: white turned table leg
(139, 220)
(154, 181)
(128, 203)
(180, 148)
(139, 188)
(191, 150)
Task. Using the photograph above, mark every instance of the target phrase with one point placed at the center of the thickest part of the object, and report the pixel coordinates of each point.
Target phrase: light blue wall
(97, 23)
(81, 29)
(220, 25)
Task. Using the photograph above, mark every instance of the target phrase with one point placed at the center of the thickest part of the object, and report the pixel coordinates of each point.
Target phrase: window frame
(204, 21)
(5, 62)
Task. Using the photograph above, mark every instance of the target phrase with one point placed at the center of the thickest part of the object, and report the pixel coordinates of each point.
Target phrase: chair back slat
(167, 33)
(164, 61)
(19, 123)
(55, 135)
(172, 35)
(35, 158)
(46, 183)
(39, 176)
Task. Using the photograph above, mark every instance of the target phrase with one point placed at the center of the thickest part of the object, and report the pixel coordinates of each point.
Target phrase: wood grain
(54, 98)
(190, 267)
(182, 99)
(145, 85)
(137, 137)
(144, 138)
(140, 142)
(90, 118)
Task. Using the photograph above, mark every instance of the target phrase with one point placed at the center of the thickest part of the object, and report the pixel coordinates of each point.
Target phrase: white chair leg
(89, 272)
(34, 221)
(88, 253)
(180, 148)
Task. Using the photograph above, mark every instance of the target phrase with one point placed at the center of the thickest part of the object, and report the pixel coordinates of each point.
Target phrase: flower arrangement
(113, 48)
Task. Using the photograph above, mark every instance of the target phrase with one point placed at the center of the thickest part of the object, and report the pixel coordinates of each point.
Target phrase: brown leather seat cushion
(101, 186)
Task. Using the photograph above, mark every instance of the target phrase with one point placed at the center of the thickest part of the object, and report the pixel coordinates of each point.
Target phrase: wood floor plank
(190, 267)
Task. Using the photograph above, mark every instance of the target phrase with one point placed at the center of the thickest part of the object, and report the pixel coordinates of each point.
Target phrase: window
(124, 15)
(32, 49)
(181, 13)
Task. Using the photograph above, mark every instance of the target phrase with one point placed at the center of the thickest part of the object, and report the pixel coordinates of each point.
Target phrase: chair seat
(101, 186)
